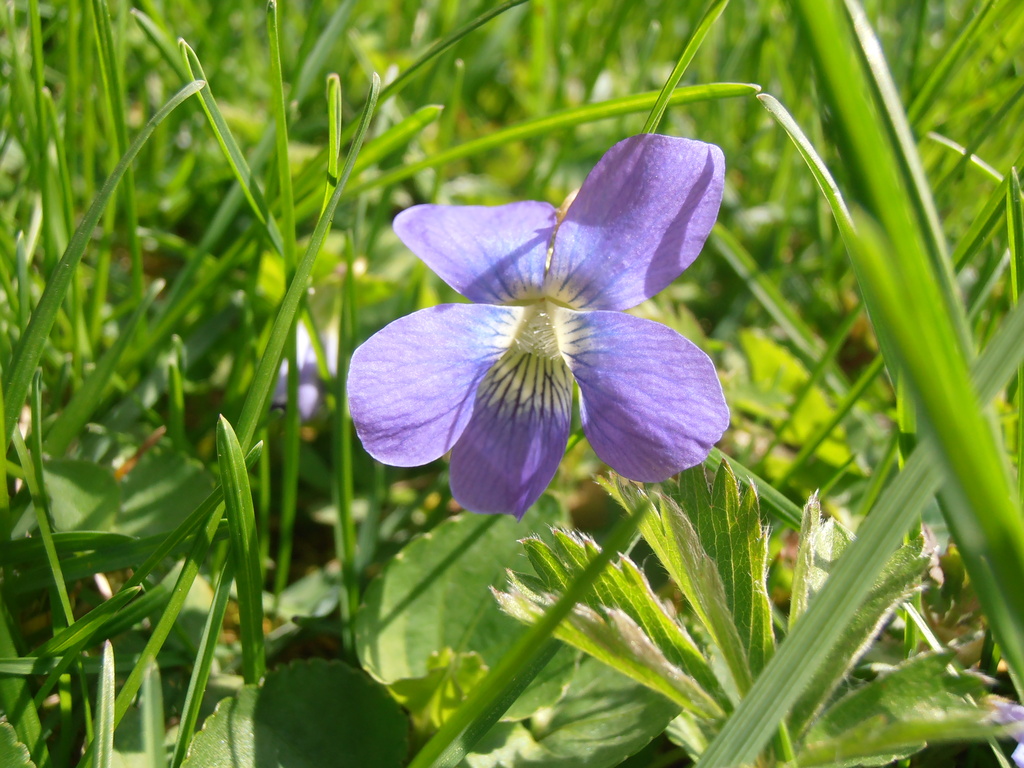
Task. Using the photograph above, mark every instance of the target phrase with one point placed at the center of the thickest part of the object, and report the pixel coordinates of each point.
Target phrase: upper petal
(491, 255)
(640, 218)
(513, 444)
(411, 386)
(650, 400)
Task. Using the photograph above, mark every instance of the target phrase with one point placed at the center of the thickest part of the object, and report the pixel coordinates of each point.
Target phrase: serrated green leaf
(896, 714)
(675, 541)
(612, 637)
(603, 718)
(922, 688)
(13, 754)
(733, 535)
(621, 587)
(801, 589)
(314, 714)
(897, 580)
(621, 622)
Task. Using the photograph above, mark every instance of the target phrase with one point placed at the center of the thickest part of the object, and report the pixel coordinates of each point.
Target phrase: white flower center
(536, 333)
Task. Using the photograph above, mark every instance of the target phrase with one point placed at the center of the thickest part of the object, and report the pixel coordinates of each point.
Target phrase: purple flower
(492, 381)
(310, 392)
(1008, 713)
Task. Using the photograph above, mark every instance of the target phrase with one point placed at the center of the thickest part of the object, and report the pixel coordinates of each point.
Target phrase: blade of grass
(105, 721)
(226, 212)
(6, 522)
(810, 445)
(30, 347)
(342, 485)
(115, 98)
(292, 425)
(202, 666)
(33, 466)
(942, 71)
(710, 16)
(333, 136)
(171, 541)
(1015, 218)
(567, 118)
(916, 195)
(967, 154)
(165, 624)
(42, 135)
(152, 698)
(266, 370)
(79, 635)
(827, 359)
(926, 324)
(442, 45)
(284, 173)
(807, 344)
(984, 225)
(245, 551)
(236, 160)
(176, 396)
(89, 396)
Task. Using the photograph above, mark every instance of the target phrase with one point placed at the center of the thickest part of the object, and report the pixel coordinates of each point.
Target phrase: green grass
(182, 184)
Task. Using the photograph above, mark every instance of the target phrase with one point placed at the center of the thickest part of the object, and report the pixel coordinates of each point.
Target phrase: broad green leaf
(880, 741)
(531, 651)
(431, 699)
(603, 718)
(896, 714)
(315, 714)
(83, 497)
(160, 491)
(435, 594)
(732, 533)
(547, 687)
(898, 579)
(13, 754)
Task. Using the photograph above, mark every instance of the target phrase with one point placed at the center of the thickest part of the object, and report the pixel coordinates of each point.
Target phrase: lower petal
(650, 400)
(412, 385)
(512, 446)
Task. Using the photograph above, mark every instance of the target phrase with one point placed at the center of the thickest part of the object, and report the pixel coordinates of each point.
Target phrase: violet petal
(640, 218)
(650, 400)
(492, 255)
(512, 446)
(411, 386)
